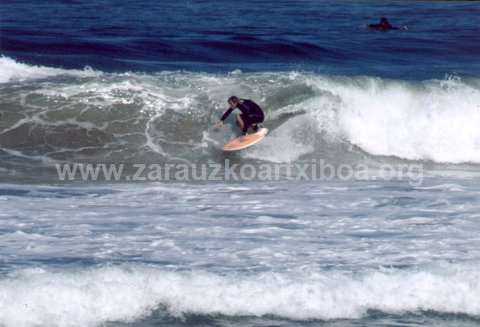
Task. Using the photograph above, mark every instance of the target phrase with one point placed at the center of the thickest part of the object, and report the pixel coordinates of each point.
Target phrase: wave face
(91, 297)
(56, 115)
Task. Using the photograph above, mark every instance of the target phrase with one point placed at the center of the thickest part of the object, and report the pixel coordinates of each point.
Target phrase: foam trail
(95, 296)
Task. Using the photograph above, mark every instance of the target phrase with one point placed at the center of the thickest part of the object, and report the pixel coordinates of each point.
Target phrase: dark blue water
(436, 37)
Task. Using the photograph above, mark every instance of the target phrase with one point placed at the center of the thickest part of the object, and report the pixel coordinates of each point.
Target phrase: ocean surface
(366, 210)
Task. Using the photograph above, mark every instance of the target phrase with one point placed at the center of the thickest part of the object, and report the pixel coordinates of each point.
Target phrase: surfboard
(244, 142)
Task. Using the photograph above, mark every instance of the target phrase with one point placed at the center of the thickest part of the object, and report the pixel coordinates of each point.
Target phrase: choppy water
(116, 83)
(246, 254)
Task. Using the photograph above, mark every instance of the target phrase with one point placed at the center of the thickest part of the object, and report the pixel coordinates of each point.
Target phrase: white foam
(92, 297)
(435, 120)
(286, 143)
(11, 70)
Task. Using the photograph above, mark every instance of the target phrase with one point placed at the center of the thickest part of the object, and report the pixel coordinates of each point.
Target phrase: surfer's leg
(255, 121)
(240, 122)
(246, 123)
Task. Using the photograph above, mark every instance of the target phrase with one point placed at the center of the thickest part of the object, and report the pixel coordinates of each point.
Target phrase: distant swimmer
(251, 114)
(383, 25)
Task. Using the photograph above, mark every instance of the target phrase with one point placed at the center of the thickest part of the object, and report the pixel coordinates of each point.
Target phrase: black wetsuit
(251, 113)
(384, 25)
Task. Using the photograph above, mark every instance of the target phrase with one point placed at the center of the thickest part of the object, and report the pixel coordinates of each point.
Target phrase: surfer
(251, 114)
(383, 25)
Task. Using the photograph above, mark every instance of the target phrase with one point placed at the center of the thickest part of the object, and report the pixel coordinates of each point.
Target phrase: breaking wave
(94, 296)
(51, 114)
(10, 70)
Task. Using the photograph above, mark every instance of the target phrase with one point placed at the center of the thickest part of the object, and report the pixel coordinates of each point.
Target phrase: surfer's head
(384, 23)
(233, 101)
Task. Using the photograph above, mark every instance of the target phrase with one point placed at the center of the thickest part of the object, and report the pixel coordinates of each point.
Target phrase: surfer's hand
(219, 124)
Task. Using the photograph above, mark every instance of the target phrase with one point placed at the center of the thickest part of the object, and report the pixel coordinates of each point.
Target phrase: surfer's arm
(226, 114)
